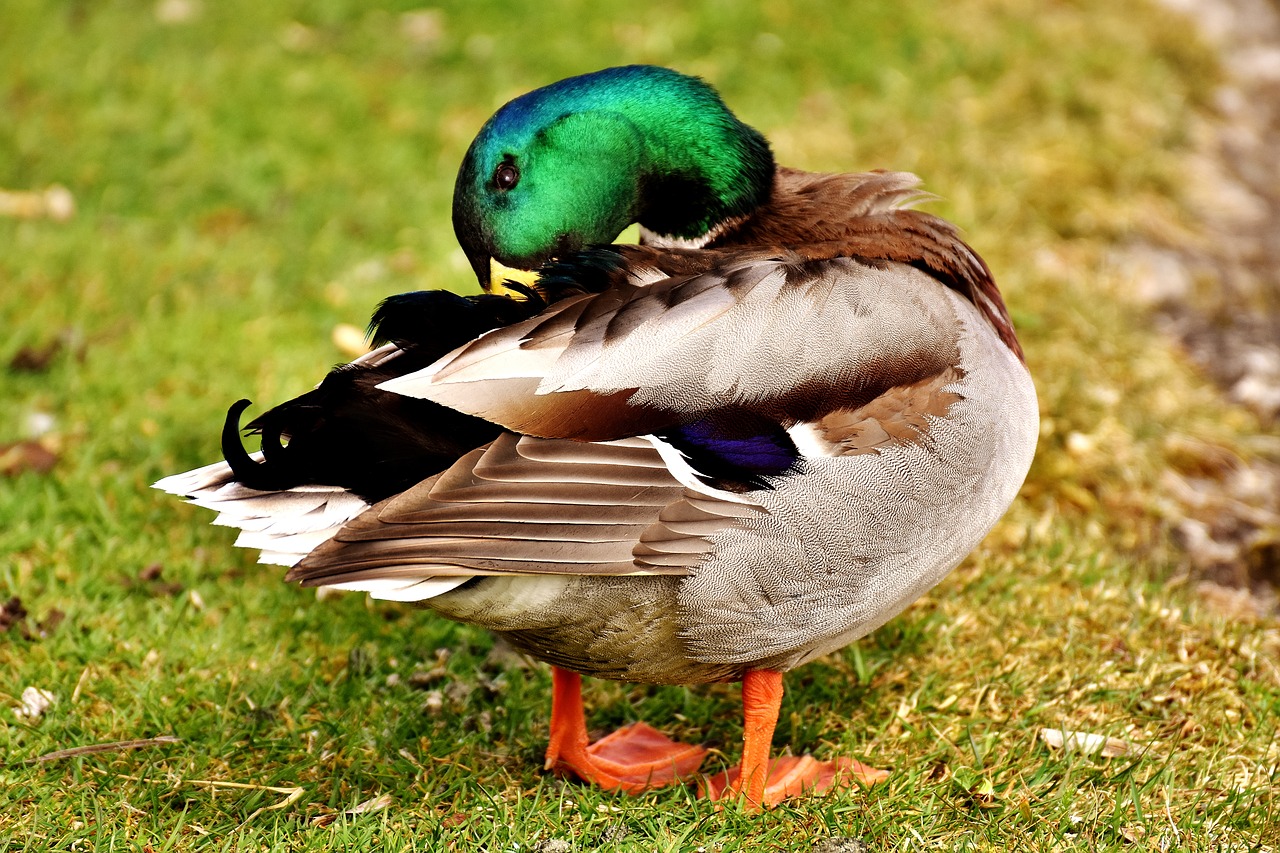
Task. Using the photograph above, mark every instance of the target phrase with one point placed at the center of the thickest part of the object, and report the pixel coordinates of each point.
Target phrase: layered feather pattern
(671, 464)
(531, 506)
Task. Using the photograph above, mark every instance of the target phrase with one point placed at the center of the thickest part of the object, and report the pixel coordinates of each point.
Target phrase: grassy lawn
(248, 175)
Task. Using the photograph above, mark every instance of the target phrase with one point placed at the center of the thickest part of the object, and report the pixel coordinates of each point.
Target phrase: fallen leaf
(26, 456)
(1085, 742)
(1133, 834)
(151, 581)
(12, 613)
(35, 359)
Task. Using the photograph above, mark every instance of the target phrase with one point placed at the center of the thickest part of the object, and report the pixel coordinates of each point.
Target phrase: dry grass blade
(373, 804)
(98, 748)
(292, 795)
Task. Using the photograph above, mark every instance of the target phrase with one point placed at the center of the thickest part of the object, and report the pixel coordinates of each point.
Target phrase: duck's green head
(573, 164)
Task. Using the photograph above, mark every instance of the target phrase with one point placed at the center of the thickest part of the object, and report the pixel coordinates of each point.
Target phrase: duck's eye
(506, 176)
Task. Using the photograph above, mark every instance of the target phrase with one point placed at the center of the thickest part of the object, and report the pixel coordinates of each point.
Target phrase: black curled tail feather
(347, 432)
(255, 475)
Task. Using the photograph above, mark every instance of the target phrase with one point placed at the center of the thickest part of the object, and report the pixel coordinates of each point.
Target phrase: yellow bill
(500, 274)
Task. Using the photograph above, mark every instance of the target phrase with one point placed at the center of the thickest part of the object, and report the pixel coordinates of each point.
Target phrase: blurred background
(200, 199)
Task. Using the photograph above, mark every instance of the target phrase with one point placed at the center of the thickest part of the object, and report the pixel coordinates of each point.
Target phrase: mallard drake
(714, 456)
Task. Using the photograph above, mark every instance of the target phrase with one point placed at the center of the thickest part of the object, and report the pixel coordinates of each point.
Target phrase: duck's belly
(623, 628)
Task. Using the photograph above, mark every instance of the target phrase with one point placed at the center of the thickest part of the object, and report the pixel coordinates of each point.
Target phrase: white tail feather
(288, 525)
(285, 526)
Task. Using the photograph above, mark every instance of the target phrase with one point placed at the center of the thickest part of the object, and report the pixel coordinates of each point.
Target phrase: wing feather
(528, 506)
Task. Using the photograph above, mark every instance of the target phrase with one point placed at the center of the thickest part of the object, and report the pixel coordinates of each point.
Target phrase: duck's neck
(699, 166)
(703, 173)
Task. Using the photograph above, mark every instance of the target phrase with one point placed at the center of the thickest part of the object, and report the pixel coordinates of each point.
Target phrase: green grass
(250, 177)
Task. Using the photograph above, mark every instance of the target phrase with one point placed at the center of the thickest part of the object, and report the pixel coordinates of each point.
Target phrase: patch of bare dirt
(1219, 297)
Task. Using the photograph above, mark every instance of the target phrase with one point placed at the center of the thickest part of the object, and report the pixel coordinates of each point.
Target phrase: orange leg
(635, 758)
(764, 782)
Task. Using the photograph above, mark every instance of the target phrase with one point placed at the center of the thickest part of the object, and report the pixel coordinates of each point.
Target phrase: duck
(715, 455)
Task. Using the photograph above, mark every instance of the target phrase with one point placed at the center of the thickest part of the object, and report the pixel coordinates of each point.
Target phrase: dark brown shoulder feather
(868, 215)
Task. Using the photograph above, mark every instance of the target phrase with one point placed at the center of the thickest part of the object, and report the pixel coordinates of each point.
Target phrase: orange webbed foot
(791, 776)
(634, 759)
(761, 782)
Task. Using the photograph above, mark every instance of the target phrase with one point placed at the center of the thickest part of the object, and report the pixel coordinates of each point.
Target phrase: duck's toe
(791, 776)
(634, 758)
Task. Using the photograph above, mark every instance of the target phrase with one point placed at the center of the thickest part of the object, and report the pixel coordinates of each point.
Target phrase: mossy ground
(247, 175)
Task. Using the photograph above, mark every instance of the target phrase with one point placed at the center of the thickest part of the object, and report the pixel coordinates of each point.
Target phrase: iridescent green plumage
(598, 152)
